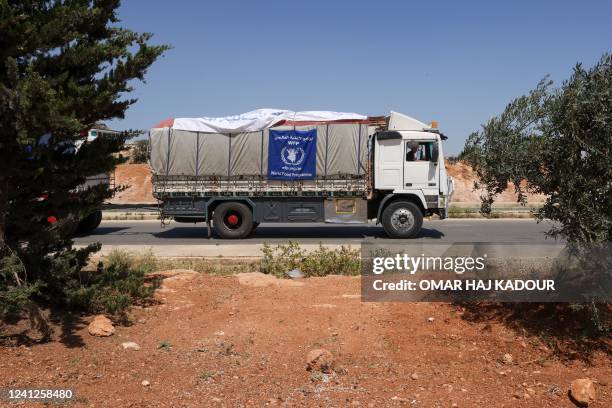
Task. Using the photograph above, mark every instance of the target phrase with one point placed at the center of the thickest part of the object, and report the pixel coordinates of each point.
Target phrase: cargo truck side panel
(197, 162)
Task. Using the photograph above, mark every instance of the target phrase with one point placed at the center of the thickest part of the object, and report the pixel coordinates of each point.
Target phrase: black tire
(402, 219)
(233, 220)
(90, 223)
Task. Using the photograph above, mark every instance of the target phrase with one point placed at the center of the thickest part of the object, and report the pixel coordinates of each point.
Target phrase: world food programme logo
(292, 156)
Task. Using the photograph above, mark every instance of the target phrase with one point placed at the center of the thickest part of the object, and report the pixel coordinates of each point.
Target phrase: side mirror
(435, 152)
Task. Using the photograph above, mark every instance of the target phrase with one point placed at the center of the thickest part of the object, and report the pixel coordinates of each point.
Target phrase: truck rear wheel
(402, 219)
(90, 223)
(233, 220)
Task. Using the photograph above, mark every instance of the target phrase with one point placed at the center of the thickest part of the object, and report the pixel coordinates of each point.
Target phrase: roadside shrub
(113, 286)
(279, 260)
(117, 283)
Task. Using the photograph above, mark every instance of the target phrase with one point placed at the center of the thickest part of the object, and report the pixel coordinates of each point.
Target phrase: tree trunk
(3, 212)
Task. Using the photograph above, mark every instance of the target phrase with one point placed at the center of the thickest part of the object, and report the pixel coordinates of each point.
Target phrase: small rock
(507, 358)
(517, 395)
(430, 320)
(295, 274)
(320, 359)
(554, 389)
(414, 376)
(454, 405)
(130, 345)
(582, 391)
(531, 391)
(101, 326)
(145, 383)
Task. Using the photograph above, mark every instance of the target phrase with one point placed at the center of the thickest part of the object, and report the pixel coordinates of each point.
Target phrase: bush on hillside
(140, 151)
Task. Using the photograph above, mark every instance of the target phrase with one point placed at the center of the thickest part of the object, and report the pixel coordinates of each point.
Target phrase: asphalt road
(450, 230)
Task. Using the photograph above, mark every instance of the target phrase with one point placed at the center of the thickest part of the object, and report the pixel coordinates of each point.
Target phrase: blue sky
(458, 62)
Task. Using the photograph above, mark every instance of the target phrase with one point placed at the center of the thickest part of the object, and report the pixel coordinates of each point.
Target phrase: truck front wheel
(402, 219)
(90, 223)
(233, 220)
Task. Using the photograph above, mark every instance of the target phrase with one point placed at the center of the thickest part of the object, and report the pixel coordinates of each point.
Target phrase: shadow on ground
(18, 330)
(297, 232)
(101, 231)
(570, 331)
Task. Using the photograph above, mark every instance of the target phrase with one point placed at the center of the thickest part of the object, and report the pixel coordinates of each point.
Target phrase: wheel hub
(402, 219)
(233, 220)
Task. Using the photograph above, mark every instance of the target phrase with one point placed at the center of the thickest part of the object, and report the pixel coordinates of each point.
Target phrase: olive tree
(556, 142)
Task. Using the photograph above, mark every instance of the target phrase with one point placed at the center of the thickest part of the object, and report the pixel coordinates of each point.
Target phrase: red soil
(242, 341)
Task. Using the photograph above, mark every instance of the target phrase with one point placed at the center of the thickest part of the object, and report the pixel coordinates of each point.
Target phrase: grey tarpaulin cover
(341, 151)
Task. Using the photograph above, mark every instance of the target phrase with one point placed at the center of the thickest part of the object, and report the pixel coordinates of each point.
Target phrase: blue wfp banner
(292, 154)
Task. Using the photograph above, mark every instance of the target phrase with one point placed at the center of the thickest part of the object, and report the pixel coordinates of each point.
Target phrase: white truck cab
(409, 165)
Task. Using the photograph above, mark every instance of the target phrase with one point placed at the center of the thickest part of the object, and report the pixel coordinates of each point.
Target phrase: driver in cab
(414, 154)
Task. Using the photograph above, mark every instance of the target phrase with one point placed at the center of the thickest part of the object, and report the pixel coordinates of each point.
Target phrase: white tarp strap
(257, 120)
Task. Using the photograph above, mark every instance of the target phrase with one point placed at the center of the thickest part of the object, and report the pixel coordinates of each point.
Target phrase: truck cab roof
(399, 121)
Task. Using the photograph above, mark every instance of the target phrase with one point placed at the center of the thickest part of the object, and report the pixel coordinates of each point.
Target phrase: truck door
(389, 164)
(419, 171)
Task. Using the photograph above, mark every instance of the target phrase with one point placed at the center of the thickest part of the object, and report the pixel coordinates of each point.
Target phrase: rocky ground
(253, 340)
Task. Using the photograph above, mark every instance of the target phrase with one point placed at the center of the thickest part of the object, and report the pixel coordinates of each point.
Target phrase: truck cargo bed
(187, 163)
(207, 186)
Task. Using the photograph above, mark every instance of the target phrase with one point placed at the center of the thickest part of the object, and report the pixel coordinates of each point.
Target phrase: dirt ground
(138, 179)
(464, 177)
(243, 341)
